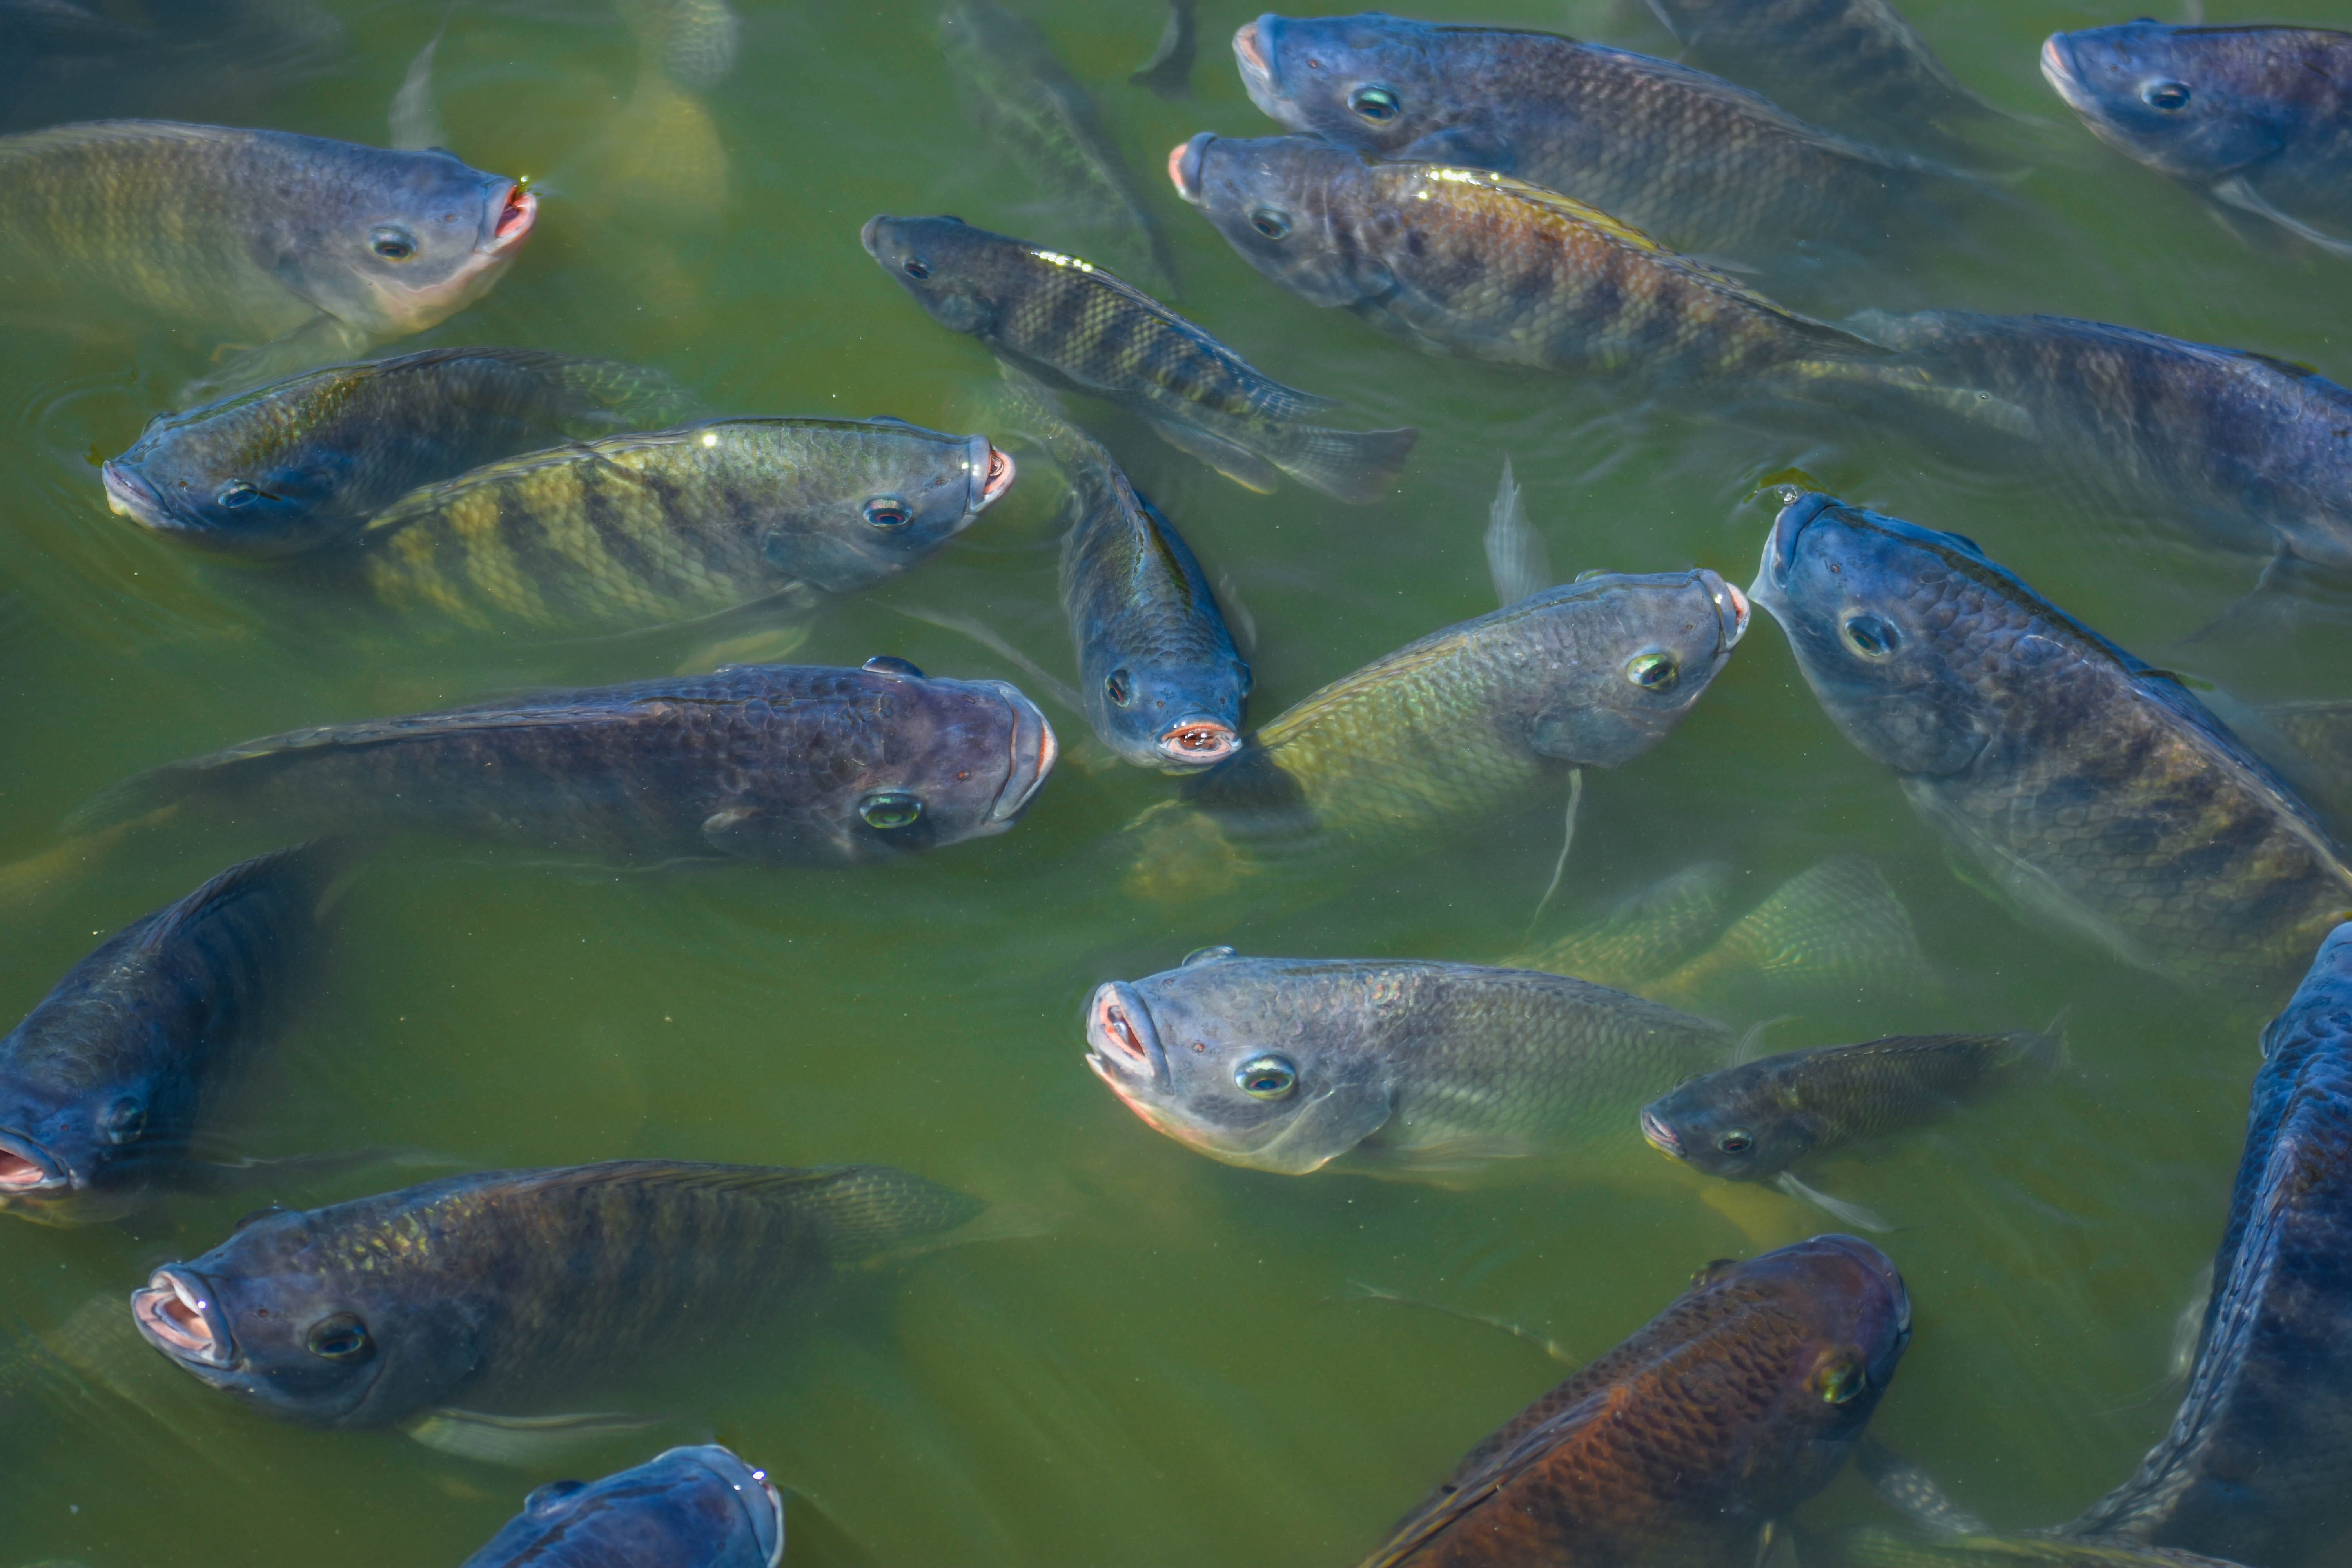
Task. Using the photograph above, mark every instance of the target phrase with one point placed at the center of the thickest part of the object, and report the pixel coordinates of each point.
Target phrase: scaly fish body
(1466, 262)
(2096, 792)
(103, 1084)
(1678, 1447)
(769, 763)
(1407, 1069)
(1076, 327)
(1025, 94)
(1752, 1122)
(304, 462)
(509, 1290)
(2253, 1467)
(689, 1508)
(1878, 1549)
(1703, 165)
(643, 529)
(250, 232)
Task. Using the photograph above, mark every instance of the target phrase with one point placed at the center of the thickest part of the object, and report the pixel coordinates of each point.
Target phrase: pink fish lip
(129, 494)
(1660, 1136)
(1184, 165)
(2058, 68)
(1245, 47)
(1000, 475)
(1198, 742)
(515, 220)
(1031, 751)
(26, 1168)
(1126, 1046)
(179, 1317)
(1741, 611)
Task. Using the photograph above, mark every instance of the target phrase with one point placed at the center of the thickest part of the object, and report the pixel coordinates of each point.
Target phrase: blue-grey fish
(1875, 1548)
(690, 1508)
(1407, 1067)
(104, 1084)
(2257, 117)
(766, 763)
(2093, 790)
(2254, 1467)
(518, 1292)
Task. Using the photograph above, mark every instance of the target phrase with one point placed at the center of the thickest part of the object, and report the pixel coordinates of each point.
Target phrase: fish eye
(1375, 102)
(1116, 687)
(1872, 636)
(1840, 1380)
(126, 1118)
(391, 244)
(1652, 672)
(1270, 223)
(2169, 96)
(237, 492)
(341, 1337)
(888, 512)
(915, 267)
(1266, 1075)
(1737, 1141)
(888, 808)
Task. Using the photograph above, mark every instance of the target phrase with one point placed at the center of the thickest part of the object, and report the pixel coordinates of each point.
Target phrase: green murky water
(1164, 1376)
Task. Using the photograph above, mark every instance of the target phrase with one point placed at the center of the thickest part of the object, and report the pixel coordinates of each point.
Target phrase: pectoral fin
(2240, 194)
(523, 1442)
(1236, 462)
(1325, 1128)
(1837, 1208)
(1463, 146)
(1516, 557)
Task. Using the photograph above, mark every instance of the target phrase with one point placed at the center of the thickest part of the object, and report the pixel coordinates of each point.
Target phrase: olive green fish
(1030, 104)
(1883, 1549)
(645, 530)
(1075, 327)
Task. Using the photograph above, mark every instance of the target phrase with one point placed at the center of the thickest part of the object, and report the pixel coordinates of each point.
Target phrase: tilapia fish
(674, 525)
(104, 1083)
(1406, 1067)
(689, 1508)
(2254, 1467)
(1752, 1122)
(1678, 1448)
(1159, 677)
(304, 462)
(1469, 723)
(1076, 327)
(2258, 118)
(2244, 450)
(1462, 261)
(1703, 165)
(2094, 791)
(1879, 1548)
(251, 234)
(1856, 66)
(1168, 71)
(774, 764)
(1024, 95)
(515, 1292)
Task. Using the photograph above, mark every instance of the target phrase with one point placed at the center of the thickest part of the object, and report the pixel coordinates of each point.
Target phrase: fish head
(1369, 81)
(881, 495)
(403, 240)
(961, 275)
(702, 1497)
(1175, 714)
(1612, 661)
(1734, 1124)
(272, 1316)
(1249, 1061)
(2195, 102)
(1281, 202)
(938, 761)
(208, 477)
(74, 1158)
(1913, 641)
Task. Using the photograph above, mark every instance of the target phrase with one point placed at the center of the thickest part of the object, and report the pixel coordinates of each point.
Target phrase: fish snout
(129, 494)
(1126, 1047)
(993, 473)
(514, 220)
(177, 1313)
(26, 1168)
(2058, 68)
(1032, 751)
(1658, 1135)
(1788, 529)
(1184, 165)
(1876, 1269)
(1197, 742)
(1254, 50)
(871, 234)
(1731, 610)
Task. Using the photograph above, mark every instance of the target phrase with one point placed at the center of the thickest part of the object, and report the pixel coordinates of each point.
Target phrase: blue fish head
(2192, 102)
(1370, 81)
(186, 477)
(1909, 638)
(71, 1157)
(699, 1505)
(1272, 198)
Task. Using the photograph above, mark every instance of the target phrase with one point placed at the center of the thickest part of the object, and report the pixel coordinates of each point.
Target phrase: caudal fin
(1837, 928)
(1358, 466)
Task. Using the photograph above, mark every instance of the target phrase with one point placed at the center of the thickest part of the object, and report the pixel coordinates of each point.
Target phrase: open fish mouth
(1253, 55)
(2058, 71)
(180, 1317)
(1126, 1047)
(1659, 1136)
(1732, 610)
(25, 1167)
(1184, 160)
(514, 220)
(1197, 742)
(994, 472)
(1033, 750)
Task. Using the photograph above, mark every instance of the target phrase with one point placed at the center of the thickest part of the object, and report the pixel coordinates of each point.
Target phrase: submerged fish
(303, 462)
(1703, 165)
(1076, 327)
(1159, 679)
(1679, 1448)
(674, 525)
(2257, 117)
(689, 1508)
(1168, 71)
(2254, 1465)
(1465, 262)
(1410, 1069)
(1466, 724)
(692, 42)
(1029, 102)
(1856, 65)
(774, 764)
(1753, 1121)
(1881, 1549)
(2248, 450)
(514, 1291)
(2095, 792)
(104, 1084)
(251, 234)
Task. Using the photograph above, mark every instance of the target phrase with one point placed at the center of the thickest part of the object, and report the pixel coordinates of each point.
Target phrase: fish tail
(1357, 466)
(868, 1210)
(1836, 924)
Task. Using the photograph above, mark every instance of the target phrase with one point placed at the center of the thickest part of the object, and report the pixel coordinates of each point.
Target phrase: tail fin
(1649, 935)
(1359, 465)
(1838, 926)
